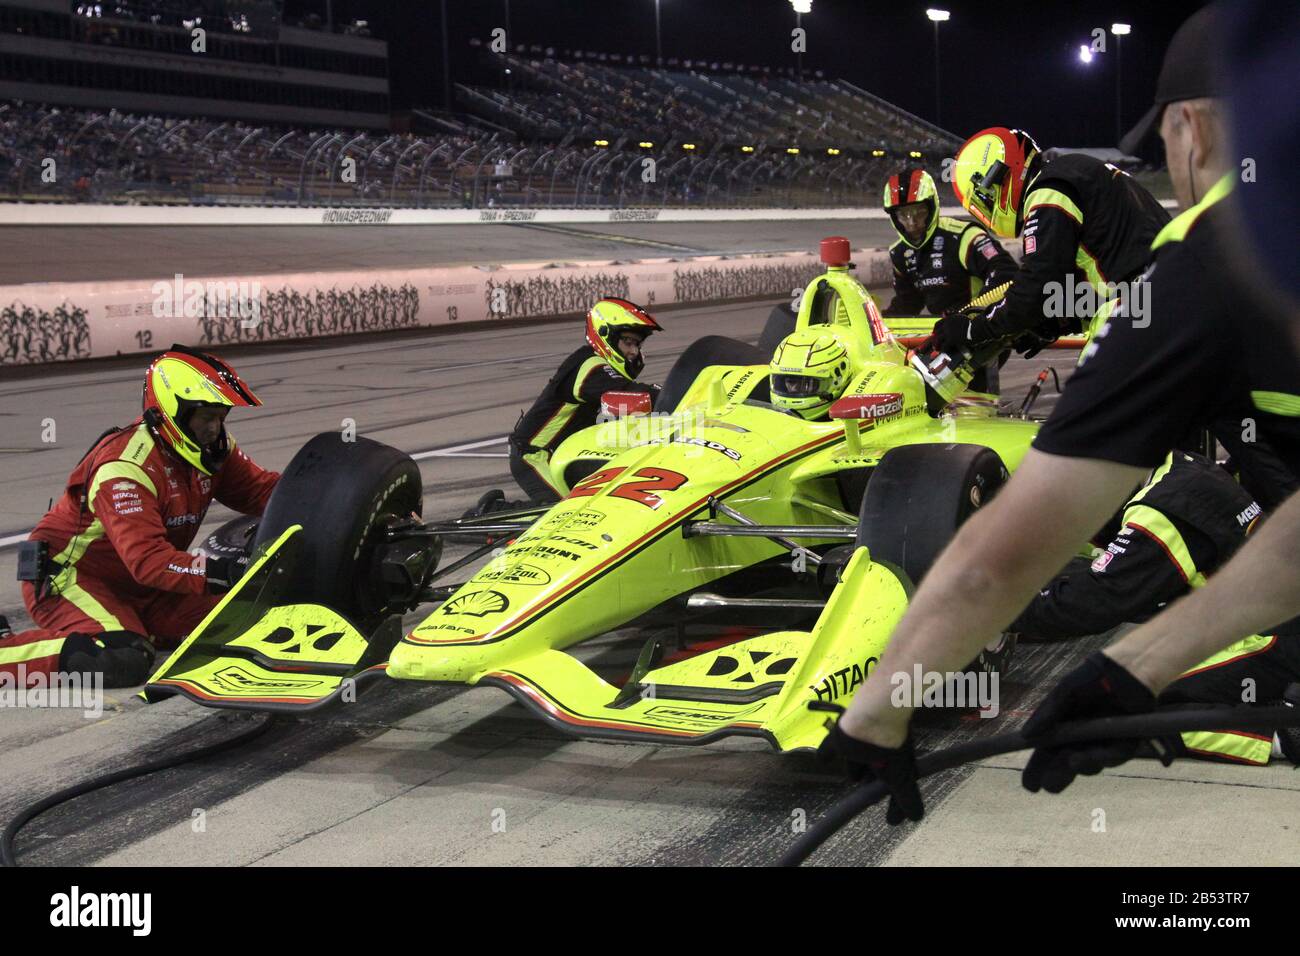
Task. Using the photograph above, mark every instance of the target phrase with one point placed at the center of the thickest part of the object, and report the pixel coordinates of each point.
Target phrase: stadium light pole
(937, 17)
(800, 8)
(446, 60)
(1121, 30)
(659, 41)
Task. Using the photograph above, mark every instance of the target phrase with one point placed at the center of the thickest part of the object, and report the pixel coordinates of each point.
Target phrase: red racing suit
(117, 539)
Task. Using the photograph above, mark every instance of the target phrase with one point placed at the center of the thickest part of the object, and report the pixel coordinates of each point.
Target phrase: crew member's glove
(1098, 687)
(958, 332)
(895, 767)
(223, 573)
(123, 657)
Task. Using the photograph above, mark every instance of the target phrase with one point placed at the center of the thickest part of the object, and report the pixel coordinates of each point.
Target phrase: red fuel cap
(835, 251)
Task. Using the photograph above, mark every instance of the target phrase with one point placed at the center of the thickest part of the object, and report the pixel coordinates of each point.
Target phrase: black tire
(917, 498)
(780, 323)
(699, 355)
(234, 539)
(341, 493)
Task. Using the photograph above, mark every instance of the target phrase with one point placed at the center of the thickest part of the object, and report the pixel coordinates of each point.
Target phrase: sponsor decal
(1250, 514)
(740, 383)
(987, 250)
(712, 445)
(574, 519)
(175, 521)
(870, 407)
(477, 604)
(843, 681)
(514, 574)
(634, 215)
(1031, 245)
(125, 486)
(236, 679)
(699, 717)
(938, 243)
(578, 542)
(423, 628)
(506, 215)
(543, 551)
(1102, 560)
(184, 569)
(349, 216)
(127, 511)
(126, 494)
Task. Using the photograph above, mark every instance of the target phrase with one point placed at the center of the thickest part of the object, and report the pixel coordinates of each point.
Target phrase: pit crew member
(115, 580)
(939, 263)
(1080, 218)
(609, 362)
(1200, 359)
(1188, 519)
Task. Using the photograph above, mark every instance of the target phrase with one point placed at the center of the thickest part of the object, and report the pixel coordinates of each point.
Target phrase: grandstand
(575, 132)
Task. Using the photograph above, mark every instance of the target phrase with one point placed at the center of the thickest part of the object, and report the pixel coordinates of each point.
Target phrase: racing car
(693, 507)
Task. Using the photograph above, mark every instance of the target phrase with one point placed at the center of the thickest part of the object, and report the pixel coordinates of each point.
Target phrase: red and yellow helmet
(993, 169)
(608, 319)
(180, 381)
(909, 186)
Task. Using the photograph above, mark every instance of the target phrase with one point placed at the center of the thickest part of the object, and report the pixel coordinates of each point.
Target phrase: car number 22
(641, 491)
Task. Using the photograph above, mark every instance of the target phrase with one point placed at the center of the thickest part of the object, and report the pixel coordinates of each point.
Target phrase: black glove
(223, 573)
(895, 767)
(958, 332)
(123, 657)
(1096, 688)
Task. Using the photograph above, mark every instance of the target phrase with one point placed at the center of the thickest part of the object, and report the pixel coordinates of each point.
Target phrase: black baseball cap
(1191, 70)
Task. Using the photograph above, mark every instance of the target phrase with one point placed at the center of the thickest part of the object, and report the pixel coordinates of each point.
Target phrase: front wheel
(344, 494)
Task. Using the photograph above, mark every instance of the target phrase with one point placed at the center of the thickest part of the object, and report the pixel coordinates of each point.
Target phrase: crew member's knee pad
(123, 657)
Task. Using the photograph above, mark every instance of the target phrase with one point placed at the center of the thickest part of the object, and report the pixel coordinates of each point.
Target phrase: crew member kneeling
(113, 579)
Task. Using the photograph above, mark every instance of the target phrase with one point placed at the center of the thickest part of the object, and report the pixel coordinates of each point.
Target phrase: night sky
(1002, 63)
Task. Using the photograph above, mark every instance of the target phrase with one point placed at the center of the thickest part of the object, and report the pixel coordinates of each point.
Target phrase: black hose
(1158, 724)
(28, 814)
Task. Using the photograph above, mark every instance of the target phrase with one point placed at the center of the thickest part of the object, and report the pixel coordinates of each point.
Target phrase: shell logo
(477, 604)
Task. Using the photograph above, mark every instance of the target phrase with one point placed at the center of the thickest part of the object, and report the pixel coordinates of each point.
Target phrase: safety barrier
(53, 322)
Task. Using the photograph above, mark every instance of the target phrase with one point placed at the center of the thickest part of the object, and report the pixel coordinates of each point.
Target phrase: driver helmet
(993, 170)
(911, 188)
(610, 318)
(180, 381)
(809, 371)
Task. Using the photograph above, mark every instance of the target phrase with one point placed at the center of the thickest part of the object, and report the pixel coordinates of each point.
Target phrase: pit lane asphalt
(416, 774)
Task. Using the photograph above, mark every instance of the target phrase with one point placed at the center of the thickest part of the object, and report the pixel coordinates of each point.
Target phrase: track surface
(78, 254)
(416, 774)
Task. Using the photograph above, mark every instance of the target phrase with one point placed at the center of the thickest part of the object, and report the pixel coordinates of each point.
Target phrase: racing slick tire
(699, 355)
(343, 493)
(780, 323)
(234, 539)
(917, 498)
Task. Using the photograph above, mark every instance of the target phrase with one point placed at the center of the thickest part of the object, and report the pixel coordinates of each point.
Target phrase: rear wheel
(344, 494)
(699, 355)
(917, 498)
(780, 323)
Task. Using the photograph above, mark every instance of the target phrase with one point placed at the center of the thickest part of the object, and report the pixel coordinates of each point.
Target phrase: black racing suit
(1083, 219)
(960, 260)
(1185, 522)
(569, 402)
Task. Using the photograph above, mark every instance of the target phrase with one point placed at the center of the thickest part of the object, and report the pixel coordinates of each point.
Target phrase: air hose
(30, 813)
(1157, 724)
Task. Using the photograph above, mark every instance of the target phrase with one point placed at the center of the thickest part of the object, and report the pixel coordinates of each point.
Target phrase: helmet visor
(795, 386)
